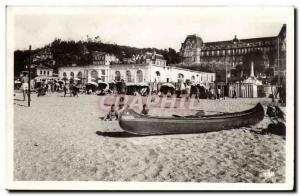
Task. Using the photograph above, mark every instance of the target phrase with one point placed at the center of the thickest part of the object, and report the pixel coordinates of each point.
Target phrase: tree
(257, 58)
(20, 60)
(269, 72)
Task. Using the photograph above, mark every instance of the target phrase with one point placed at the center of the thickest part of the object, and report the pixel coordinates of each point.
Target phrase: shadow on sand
(16, 99)
(117, 134)
(273, 128)
(20, 105)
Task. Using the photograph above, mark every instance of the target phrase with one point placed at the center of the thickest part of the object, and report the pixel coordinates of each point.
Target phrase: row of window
(232, 51)
(139, 76)
(253, 44)
(43, 72)
(99, 62)
(102, 57)
(160, 62)
(181, 77)
(129, 78)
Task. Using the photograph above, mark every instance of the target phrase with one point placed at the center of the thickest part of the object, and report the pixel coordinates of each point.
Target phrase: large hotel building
(228, 54)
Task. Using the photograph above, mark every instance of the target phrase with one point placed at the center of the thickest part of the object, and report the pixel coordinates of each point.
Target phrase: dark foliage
(20, 58)
(257, 58)
(67, 53)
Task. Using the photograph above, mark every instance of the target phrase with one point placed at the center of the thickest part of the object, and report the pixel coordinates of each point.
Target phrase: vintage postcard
(150, 98)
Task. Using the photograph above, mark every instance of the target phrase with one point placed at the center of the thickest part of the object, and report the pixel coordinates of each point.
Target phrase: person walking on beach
(24, 81)
(234, 93)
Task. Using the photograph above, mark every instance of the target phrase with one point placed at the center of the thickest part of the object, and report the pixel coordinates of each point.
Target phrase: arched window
(157, 76)
(117, 76)
(94, 75)
(128, 76)
(193, 78)
(139, 76)
(72, 74)
(64, 74)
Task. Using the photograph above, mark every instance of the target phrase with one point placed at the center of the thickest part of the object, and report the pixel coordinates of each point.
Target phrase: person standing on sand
(219, 93)
(24, 81)
(123, 87)
(65, 89)
(178, 88)
(197, 92)
(188, 89)
(234, 93)
(223, 93)
(49, 87)
(145, 110)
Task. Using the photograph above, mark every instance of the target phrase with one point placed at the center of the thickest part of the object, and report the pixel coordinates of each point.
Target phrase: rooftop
(43, 67)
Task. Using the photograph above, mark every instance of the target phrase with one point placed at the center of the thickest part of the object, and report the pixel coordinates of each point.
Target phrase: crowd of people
(181, 89)
(71, 88)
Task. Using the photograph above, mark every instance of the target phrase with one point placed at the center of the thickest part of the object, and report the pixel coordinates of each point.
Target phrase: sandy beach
(63, 139)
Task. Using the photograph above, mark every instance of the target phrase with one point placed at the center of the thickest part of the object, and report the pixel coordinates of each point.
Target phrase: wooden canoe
(139, 124)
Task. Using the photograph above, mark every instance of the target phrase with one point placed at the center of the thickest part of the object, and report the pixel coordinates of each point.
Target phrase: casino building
(227, 55)
(146, 68)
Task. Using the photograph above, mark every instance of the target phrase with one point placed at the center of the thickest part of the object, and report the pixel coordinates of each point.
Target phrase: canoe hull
(135, 123)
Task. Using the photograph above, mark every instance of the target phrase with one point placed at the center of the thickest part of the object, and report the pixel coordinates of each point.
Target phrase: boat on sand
(135, 123)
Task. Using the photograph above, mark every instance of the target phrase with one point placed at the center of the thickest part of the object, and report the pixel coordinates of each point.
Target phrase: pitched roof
(198, 40)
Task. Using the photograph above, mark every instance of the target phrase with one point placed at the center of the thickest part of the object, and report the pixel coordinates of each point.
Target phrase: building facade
(102, 58)
(191, 49)
(43, 71)
(229, 54)
(41, 55)
(148, 58)
(150, 70)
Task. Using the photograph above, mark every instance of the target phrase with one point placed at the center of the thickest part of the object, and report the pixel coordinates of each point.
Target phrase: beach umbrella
(103, 85)
(76, 79)
(168, 85)
(93, 83)
(136, 84)
(142, 84)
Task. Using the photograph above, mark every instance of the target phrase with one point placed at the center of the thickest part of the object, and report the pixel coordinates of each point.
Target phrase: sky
(160, 27)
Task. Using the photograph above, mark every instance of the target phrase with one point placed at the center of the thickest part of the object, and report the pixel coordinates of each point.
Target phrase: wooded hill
(67, 53)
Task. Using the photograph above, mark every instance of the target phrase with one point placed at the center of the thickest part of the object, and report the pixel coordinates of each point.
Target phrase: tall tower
(252, 70)
(191, 48)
